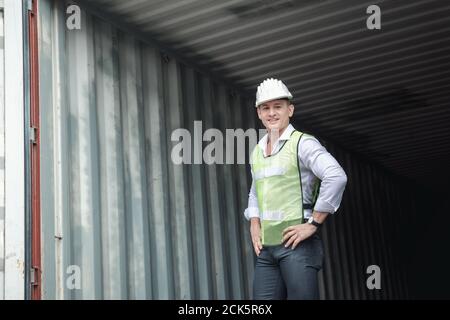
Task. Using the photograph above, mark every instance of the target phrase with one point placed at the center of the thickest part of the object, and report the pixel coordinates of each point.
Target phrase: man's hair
(285, 99)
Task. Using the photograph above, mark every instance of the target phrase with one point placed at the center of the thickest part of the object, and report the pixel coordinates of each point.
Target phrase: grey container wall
(137, 226)
(375, 225)
(113, 203)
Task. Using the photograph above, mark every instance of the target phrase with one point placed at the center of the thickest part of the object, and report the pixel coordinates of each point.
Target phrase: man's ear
(291, 110)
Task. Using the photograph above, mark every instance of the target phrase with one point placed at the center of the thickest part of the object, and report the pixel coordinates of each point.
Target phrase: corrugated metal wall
(374, 226)
(113, 203)
(138, 226)
(2, 161)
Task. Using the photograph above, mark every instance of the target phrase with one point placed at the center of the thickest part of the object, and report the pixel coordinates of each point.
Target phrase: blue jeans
(282, 273)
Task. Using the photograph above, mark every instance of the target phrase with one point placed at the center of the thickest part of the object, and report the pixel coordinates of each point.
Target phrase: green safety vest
(278, 189)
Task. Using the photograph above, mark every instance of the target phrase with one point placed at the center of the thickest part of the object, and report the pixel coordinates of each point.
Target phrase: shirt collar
(284, 136)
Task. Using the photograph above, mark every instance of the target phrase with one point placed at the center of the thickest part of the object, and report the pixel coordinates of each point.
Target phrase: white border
(14, 152)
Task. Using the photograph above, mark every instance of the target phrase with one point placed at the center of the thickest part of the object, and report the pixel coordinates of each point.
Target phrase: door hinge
(33, 134)
(34, 276)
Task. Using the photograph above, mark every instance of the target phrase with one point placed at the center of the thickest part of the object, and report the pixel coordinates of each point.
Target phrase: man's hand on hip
(255, 231)
(293, 235)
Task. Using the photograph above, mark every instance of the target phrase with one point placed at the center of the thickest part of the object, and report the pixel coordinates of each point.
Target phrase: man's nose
(271, 111)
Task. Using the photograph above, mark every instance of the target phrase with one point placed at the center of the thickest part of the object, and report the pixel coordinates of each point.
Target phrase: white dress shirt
(315, 162)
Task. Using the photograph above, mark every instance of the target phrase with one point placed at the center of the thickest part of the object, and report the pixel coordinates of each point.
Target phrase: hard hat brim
(257, 104)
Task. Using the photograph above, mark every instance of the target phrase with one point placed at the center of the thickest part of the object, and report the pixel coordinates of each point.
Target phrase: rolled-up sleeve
(315, 157)
(252, 210)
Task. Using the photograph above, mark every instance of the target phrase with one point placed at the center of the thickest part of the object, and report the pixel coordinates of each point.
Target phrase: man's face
(275, 114)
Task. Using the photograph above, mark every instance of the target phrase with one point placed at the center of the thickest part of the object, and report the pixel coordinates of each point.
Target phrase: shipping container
(92, 101)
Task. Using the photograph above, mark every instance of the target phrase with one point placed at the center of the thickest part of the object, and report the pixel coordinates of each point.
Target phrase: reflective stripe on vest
(272, 215)
(278, 189)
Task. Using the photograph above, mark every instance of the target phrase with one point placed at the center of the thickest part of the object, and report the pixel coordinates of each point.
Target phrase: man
(289, 168)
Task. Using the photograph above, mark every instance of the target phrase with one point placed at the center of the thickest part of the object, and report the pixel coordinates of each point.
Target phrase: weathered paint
(14, 164)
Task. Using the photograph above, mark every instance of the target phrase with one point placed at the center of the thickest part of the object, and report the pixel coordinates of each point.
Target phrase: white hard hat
(271, 89)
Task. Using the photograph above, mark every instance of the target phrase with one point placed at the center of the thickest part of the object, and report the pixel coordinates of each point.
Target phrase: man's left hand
(293, 235)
